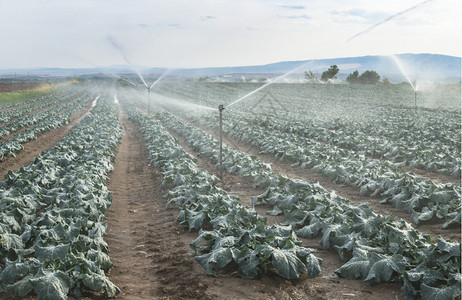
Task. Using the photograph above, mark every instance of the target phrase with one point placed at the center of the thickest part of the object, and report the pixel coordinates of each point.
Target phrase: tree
(310, 75)
(369, 77)
(330, 73)
(353, 77)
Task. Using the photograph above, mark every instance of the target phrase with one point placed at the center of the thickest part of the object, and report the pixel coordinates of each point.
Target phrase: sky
(217, 33)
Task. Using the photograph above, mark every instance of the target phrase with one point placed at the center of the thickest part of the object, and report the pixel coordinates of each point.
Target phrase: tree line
(367, 77)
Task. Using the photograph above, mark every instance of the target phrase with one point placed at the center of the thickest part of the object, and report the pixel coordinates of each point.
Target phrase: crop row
(30, 119)
(425, 144)
(382, 249)
(423, 199)
(53, 118)
(52, 214)
(366, 119)
(29, 101)
(238, 234)
(34, 104)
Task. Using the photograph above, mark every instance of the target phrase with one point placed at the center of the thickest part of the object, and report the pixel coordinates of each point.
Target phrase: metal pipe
(220, 109)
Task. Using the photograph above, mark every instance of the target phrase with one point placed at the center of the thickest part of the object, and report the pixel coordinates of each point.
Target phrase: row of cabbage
(229, 233)
(319, 101)
(381, 249)
(423, 142)
(424, 199)
(27, 118)
(369, 119)
(52, 214)
(8, 111)
(47, 120)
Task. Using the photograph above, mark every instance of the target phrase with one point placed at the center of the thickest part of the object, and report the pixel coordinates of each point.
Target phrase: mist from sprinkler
(124, 79)
(114, 43)
(270, 83)
(401, 69)
(161, 99)
(178, 102)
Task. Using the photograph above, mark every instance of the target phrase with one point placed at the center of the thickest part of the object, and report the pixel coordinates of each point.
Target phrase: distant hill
(422, 67)
(428, 67)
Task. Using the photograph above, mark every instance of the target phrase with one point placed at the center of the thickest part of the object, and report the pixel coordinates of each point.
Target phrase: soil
(18, 86)
(150, 250)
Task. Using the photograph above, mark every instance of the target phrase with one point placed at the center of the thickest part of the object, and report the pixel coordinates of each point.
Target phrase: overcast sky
(204, 33)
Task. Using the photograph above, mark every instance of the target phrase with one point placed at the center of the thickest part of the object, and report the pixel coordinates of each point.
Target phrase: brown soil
(435, 177)
(18, 86)
(149, 250)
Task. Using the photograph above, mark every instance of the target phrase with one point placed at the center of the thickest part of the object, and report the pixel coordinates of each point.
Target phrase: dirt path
(149, 249)
(132, 188)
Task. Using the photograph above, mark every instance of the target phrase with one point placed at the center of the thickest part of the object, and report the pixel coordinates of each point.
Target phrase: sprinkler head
(221, 107)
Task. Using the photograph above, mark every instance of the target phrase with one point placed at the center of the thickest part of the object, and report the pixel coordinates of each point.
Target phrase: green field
(386, 143)
(20, 95)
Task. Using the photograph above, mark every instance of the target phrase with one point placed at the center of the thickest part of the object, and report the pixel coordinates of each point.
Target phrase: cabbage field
(328, 191)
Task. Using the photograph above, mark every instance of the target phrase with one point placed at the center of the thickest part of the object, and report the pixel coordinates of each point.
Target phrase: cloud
(208, 18)
(292, 6)
(221, 32)
(304, 16)
(357, 15)
(177, 25)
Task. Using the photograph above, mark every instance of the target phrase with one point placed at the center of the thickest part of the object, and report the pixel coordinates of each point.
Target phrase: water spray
(401, 69)
(271, 82)
(387, 20)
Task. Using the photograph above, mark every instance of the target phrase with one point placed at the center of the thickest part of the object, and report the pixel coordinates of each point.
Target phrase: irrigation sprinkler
(220, 109)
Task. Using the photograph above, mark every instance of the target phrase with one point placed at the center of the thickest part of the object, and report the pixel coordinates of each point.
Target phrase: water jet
(401, 69)
(270, 83)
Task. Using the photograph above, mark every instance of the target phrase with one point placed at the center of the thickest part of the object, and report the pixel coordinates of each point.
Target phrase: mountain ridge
(423, 66)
